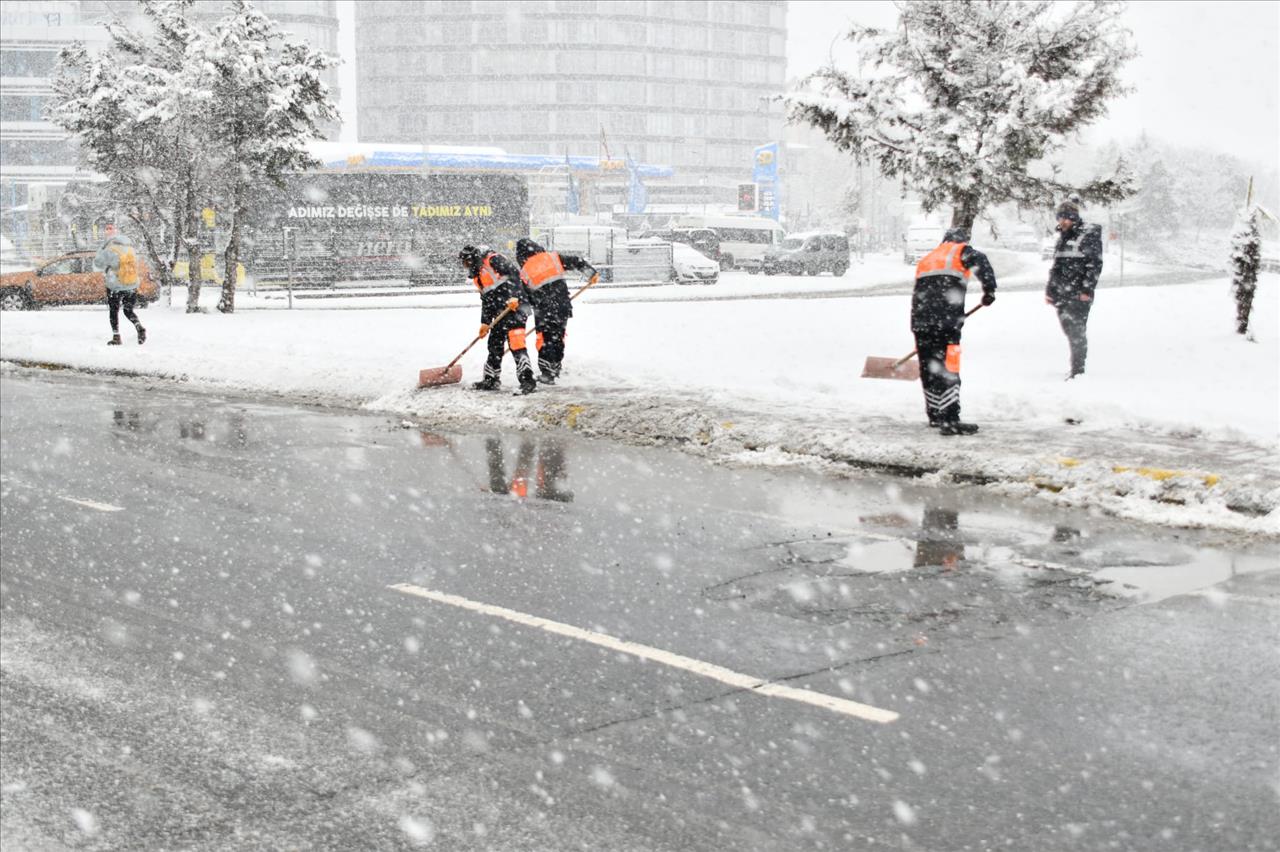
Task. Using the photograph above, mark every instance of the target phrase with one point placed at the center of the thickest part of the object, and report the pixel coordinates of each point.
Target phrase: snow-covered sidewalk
(1178, 416)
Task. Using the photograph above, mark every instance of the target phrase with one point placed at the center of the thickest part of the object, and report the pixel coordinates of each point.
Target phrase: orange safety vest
(944, 260)
(542, 268)
(488, 277)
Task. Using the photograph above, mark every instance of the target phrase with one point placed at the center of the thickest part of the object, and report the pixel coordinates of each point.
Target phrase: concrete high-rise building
(684, 83)
(36, 158)
(33, 151)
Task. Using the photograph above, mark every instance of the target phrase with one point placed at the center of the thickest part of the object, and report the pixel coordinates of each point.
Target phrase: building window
(22, 108)
(660, 124)
(694, 9)
(662, 94)
(577, 121)
(535, 121)
(660, 153)
(27, 63)
(575, 61)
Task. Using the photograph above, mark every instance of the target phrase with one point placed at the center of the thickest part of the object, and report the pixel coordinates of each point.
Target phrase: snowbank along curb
(1236, 497)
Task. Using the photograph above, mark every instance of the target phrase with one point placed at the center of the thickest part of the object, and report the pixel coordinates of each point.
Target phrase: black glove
(988, 299)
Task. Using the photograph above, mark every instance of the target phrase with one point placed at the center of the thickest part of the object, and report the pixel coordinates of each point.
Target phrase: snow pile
(1177, 417)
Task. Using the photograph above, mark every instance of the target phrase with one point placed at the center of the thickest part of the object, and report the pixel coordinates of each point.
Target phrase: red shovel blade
(436, 376)
(891, 368)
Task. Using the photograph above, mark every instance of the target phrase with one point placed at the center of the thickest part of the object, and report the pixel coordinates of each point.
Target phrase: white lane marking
(657, 655)
(93, 504)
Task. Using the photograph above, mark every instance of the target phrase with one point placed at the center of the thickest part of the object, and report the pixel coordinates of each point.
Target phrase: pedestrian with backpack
(120, 266)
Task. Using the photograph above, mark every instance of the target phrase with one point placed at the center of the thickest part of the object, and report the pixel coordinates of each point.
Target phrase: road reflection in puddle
(539, 464)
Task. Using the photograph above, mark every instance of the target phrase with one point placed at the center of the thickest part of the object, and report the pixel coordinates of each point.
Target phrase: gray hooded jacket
(107, 261)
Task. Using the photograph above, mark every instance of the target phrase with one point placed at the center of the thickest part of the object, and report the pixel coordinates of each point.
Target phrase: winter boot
(527, 383)
(142, 335)
(955, 427)
(114, 341)
(550, 371)
(488, 383)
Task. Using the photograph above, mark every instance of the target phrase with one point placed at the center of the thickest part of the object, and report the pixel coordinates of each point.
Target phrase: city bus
(363, 225)
(743, 239)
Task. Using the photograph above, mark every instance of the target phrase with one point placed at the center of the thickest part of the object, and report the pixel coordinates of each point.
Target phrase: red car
(66, 280)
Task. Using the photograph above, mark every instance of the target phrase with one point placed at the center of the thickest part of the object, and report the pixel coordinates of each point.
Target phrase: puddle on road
(1149, 583)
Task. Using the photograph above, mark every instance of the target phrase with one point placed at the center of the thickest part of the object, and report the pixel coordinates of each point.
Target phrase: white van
(919, 240)
(743, 239)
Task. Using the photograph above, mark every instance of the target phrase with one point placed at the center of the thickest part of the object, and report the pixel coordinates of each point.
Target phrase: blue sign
(765, 175)
(637, 196)
(572, 203)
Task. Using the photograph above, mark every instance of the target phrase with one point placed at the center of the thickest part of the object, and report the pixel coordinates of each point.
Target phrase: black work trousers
(510, 329)
(1073, 315)
(551, 334)
(941, 386)
(117, 299)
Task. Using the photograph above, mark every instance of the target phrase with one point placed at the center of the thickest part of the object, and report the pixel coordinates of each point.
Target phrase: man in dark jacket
(1077, 263)
(543, 274)
(498, 281)
(937, 317)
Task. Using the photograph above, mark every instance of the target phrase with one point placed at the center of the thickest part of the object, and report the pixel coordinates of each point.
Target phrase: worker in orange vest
(937, 316)
(543, 273)
(498, 281)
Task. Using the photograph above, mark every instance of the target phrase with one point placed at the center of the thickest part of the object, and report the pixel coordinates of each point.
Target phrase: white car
(693, 267)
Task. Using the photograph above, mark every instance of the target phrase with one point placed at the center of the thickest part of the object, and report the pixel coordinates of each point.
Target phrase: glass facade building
(37, 153)
(685, 83)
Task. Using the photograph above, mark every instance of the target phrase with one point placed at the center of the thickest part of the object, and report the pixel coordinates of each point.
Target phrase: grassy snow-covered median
(1177, 415)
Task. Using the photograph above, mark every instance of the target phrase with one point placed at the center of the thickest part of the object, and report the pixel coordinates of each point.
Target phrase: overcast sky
(1207, 73)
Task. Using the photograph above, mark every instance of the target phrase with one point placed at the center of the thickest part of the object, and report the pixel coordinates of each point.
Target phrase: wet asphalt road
(201, 648)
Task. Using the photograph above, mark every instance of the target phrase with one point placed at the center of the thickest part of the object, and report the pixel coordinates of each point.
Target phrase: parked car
(66, 280)
(693, 267)
(808, 254)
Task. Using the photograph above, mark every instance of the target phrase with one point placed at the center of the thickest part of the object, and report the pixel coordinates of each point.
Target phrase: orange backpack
(127, 273)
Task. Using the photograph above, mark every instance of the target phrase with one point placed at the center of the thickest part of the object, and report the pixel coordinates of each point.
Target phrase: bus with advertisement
(371, 225)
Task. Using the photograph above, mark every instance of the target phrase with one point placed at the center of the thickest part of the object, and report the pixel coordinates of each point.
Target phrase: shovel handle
(502, 314)
(594, 278)
(905, 358)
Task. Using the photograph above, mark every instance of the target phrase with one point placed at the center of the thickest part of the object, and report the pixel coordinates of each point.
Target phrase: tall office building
(36, 158)
(684, 83)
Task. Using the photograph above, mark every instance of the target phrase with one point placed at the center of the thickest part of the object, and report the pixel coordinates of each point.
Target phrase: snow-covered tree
(175, 114)
(136, 116)
(266, 100)
(966, 99)
(1246, 258)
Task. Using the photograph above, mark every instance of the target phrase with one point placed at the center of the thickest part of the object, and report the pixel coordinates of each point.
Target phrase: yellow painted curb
(1154, 473)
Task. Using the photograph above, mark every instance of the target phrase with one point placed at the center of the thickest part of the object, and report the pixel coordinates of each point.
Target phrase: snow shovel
(906, 368)
(451, 373)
